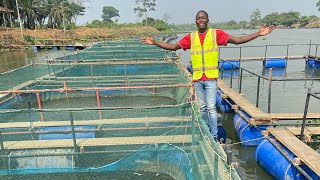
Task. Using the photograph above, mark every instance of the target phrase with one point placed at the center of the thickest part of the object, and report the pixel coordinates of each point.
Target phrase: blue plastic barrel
(317, 64)
(222, 134)
(310, 62)
(189, 68)
(249, 135)
(55, 48)
(227, 64)
(71, 48)
(36, 48)
(275, 63)
(277, 165)
(62, 135)
(222, 103)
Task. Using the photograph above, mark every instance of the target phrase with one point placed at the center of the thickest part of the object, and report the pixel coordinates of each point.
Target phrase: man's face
(202, 20)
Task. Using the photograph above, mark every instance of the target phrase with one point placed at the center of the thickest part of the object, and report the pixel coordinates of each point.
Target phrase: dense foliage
(34, 13)
(289, 19)
(64, 13)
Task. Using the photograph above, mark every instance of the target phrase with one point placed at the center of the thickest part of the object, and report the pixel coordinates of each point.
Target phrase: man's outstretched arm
(264, 30)
(168, 46)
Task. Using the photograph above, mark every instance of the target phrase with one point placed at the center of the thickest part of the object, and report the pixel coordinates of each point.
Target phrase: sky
(183, 11)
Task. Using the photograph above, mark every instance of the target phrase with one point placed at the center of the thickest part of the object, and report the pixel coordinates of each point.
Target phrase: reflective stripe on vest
(204, 57)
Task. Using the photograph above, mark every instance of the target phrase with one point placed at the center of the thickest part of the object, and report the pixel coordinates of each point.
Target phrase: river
(295, 92)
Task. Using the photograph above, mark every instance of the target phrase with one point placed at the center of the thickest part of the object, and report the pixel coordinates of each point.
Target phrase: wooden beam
(142, 120)
(93, 142)
(283, 116)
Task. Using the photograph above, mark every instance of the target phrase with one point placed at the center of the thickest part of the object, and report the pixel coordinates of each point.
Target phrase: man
(203, 45)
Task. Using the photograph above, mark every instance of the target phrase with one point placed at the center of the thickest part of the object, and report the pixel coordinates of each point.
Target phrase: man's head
(202, 20)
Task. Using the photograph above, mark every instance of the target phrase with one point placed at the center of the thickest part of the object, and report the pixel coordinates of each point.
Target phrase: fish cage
(96, 119)
(45, 134)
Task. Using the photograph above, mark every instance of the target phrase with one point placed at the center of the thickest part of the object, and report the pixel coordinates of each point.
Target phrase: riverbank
(13, 38)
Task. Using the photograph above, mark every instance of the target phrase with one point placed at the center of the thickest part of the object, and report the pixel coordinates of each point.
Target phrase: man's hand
(264, 30)
(148, 40)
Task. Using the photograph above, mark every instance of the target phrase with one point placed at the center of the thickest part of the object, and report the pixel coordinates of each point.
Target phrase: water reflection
(15, 59)
(276, 72)
(312, 72)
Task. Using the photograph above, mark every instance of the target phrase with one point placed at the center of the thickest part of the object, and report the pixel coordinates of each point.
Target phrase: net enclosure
(110, 119)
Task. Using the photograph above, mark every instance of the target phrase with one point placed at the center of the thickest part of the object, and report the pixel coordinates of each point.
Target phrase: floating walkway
(95, 142)
(241, 102)
(257, 115)
(305, 153)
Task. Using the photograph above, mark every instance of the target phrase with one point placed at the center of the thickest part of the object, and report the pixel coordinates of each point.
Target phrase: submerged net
(118, 120)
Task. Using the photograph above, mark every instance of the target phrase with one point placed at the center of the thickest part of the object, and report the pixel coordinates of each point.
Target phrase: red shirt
(222, 39)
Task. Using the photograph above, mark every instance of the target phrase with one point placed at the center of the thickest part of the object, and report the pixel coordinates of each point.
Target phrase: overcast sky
(183, 11)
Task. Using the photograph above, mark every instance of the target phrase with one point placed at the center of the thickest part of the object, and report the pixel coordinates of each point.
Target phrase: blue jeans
(206, 93)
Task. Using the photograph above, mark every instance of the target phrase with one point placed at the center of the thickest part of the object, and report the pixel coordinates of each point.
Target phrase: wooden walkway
(305, 153)
(297, 116)
(243, 103)
(142, 120)
(258, 115)
(307, 130)
(93, 142)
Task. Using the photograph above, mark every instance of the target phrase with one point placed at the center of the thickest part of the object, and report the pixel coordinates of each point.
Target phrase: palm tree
(28, 13)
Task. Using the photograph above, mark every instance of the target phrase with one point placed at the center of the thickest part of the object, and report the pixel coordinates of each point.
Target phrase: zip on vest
(203, 70)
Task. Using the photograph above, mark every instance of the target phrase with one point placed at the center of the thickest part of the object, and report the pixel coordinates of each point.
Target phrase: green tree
(304, 20)
(108, 13)
(289, 18)
(157, 23)
(272, 19)
(318, 5)
(255, 18)
(143, 6)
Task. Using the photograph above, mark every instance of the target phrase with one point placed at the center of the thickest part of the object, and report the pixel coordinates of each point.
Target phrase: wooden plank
(25, 84)
(97, 122)
(307, 155)
(68, 143)
(279, 116)
(243, 103)
(19, 87)
(307, 130)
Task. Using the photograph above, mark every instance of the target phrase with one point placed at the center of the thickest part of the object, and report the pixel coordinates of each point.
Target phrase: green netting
(92, 120)
(119, 55)
(22, 75)
(124, 48)
(124, 42)
(191, 154)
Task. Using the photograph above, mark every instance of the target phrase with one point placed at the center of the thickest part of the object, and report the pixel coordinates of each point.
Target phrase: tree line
(64, 13)
(41, 13)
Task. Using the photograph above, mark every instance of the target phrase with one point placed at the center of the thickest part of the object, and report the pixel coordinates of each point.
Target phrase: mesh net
(115, 120)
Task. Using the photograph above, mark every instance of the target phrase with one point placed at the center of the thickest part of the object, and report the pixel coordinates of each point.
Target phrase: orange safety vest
(204, 57)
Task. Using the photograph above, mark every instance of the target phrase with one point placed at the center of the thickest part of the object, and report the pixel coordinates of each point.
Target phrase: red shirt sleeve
(222, 37)
(185, 42)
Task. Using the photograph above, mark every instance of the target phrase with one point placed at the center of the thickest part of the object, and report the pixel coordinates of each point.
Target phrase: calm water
(286, 96)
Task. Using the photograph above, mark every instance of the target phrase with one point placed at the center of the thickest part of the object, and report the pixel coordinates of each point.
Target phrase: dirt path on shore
(11, 38)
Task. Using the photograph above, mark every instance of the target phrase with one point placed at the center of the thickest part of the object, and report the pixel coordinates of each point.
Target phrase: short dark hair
(203, 11)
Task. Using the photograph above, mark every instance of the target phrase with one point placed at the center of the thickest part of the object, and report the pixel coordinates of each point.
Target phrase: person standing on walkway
(203, 45)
